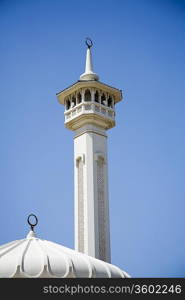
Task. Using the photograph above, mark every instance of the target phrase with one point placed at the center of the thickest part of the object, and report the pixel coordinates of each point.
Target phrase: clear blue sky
(139, 47)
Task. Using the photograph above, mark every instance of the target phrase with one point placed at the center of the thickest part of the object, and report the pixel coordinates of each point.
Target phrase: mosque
(89, 112)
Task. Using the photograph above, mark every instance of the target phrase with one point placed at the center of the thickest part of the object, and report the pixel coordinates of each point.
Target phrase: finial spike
(88, 64)
(89, 74)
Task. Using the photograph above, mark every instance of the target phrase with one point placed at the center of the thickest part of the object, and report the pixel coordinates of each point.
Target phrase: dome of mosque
(37, 258)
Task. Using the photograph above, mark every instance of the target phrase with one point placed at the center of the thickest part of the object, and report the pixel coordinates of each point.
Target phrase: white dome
(34, 257)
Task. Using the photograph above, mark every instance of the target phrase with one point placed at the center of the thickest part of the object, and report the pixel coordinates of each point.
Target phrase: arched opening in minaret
(67, 104)
(96, 97)
(109, 102)
(103, 99)
(113, 102)
(87, 95)
(73, 101)
(79, 98)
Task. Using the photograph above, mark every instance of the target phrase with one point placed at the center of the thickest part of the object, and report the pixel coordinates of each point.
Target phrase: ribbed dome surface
(34, 257)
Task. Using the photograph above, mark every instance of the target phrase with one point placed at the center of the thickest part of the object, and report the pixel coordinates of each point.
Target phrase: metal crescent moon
(88, 42)
(36, 220)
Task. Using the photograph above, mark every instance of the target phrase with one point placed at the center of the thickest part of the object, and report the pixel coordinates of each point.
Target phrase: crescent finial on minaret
(89, 42)
(89, 74)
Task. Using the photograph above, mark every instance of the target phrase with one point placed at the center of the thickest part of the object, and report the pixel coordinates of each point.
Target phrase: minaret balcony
(89, 102)
(89, 108)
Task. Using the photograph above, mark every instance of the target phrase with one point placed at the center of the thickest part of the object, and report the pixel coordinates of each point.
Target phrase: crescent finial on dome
(32, 225)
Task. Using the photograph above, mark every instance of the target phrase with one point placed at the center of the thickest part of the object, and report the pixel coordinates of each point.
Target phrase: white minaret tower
(89, 112)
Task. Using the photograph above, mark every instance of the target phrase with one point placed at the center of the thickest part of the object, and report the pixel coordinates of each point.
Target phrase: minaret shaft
(92, 234)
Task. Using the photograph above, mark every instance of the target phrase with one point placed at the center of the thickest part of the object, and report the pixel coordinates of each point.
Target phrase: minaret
(89, 112)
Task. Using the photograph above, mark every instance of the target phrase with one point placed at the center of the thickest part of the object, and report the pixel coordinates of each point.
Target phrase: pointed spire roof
(89, 74)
